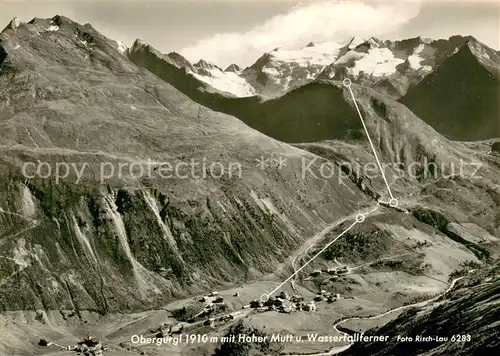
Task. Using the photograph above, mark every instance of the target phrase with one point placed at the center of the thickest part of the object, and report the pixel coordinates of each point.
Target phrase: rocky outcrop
(233, 68)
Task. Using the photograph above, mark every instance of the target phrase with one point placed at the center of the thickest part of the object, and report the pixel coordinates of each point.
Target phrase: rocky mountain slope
(104, 240)
(467, 320)
(443, 209)
(461, 96)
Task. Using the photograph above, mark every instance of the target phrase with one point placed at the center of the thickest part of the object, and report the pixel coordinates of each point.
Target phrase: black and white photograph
(249, 178)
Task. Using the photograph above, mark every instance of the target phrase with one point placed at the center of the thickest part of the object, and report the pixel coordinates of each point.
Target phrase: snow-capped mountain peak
(225, 81)
(122, 47)
(355, 42)
(283, 69)
(202, 64)
(14, 24)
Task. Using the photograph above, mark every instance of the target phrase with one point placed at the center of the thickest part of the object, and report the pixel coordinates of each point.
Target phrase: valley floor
(374, 297)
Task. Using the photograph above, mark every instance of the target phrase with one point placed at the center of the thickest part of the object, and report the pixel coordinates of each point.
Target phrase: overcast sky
(241, 31)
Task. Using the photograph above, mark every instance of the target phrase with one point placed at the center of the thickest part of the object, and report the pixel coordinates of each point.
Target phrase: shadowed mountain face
(460, 98)
(123, 239)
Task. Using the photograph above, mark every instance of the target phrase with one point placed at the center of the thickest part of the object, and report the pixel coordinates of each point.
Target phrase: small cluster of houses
(221, 319)
(425, 243)
(88, 346)
(284, 303)
(331, 271)
(168, 329)
(212, 298)
(214, 303)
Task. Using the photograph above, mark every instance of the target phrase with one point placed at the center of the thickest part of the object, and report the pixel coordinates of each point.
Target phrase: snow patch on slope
(21, 255)
(15, 23)
(266, 205)
(167, 234)
(271, 71)
(27, 202)
(415, 59)
(141, 275)
(122, 47)
(377, 62)
(84, 241)
(349, 57)
(229, 82)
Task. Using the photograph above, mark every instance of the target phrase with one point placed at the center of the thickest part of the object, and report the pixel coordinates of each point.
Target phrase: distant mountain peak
(13, 24)
(178, 57)
(460, 37)
(354, 42)
(180, 61)
(122, 47)
(369, 44)
(460, 92)
(174, 54)
(138, 44)
(233, 68)
(374, 42)
(261, 62)
(203, 64)
(370, 61)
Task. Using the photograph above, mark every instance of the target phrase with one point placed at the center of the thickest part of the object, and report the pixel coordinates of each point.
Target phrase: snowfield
(377, 62)
(229, 82)
(320, 54)
(415, 59)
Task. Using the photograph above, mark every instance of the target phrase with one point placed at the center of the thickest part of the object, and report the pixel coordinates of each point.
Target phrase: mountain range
(394, 68)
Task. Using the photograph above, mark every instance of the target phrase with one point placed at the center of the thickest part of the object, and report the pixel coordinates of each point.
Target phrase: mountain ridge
(462, 95)
(279, 71)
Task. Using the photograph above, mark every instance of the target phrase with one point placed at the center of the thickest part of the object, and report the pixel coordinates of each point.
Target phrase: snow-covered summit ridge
(392, 66)
(312, 54)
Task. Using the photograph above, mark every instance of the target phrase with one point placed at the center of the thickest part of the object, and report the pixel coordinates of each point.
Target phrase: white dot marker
(393, 202)
(360, 218)
(347, 82)
(264, 298)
